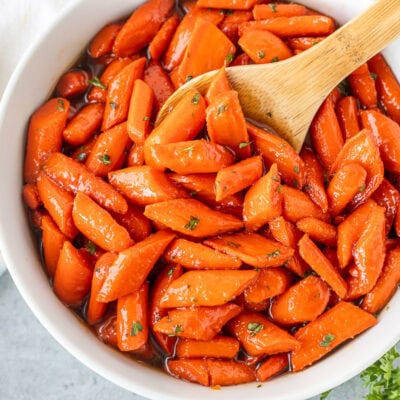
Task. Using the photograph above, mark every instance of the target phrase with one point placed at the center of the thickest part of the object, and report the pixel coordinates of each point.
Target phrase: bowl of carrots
(203, 252)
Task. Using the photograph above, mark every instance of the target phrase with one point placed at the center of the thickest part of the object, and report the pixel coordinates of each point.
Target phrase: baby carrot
(231, 22)
(163, 37)
(31, 196)
(195, 370)
(72, 83)
(347, 114)
(362, 85)
(103, 41)
(303, 43)
(218, 85)
(229, 372)
(318, 230)
(273, 10)
(227, 4)
(218, 347)
(135, 156)
(274, 365)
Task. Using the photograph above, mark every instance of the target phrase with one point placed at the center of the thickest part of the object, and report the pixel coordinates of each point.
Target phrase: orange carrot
(219, 85)
(141, 27)
(195, 371)
(72, 83)
(231, 22)
(252, 249)
(31, 196)
(318, 230)
(303, 43)
(74, 177)
(347, 114)
(197, 256)
(103, 42)
(342, 322)
(135, 156)
(241, 59)
(218, 347)
(44, 136)
(362, 85)
(73, 276)
(273, 10)
(272, 366)
(227, 4)
(229, 372)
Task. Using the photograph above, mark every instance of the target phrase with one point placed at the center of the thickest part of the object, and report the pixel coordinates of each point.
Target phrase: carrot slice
(231, 22)
(132, 266)
(198, 288)
(218, 347)
(200, 323)
(195, 371)
(362, 85)
(191, 217)
(72, 83)
(103, 41)
(342, 322)
(197, 256)
(258, 335)
(303, 43)
(227, 4)
(74, 177)
(135, 156)
(226, 124)
(141, 27)
(44, 136)
(219, 85)
(252, 249)
(318, 230)
(229, 372)
(274, 365)
(273, 10)
(347, 114)
(314, 257)
(73, 276)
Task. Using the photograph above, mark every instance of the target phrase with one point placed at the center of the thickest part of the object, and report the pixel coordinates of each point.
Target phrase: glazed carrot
(342, 322)
(369, 255)
(98, 92)
(82, 152)
(387, 134)
(156, 77)
(106, 331)
(95, 309)
(304, 43)
(144, 185)
(191, 157)
(258, 335)
(229, 372)
(218, 347)
(219, 85)
(252, 249)
(195, 60)
(141, 27)
(98, 225)
(387, 86)
(140, 109)
(226, 124)
(108, 150)
(306, 25)
(44, 136)
(230, 25)
(58, 202)
(84, 124)
(161, 40)
(53, 240)
(362, 85)
(326, 134)
(297, 205)
(274, 149)
(198, 288)
(263, 46)
(286, 233)
(273, 10)
(270, 282)
(132, 266)
(135, 156)
(318, 230)
(364, 150)
(184, 122)
(302, 302)
(72, 83)
(73, 276)
(195, 371)
(274, 365)
(227, 4)
(31, 196)
(200, 323)
(241, 59)
(193, 255)
(119, 93)
(313, 256)
(346, 183)
(386, 284)
(103, 42)
(347, 115)
(74, 177)
(35, 217)
(263, 201)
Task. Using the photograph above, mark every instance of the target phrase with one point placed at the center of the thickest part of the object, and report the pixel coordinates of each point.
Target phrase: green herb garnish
(61, 105)
(113, 105)
(229, 57)
(232, 244)
(136, 328)
(105, 159)
(192, 224)
(95, 81)
(221, 109)
(275, 59)
(327, 341)
(273, 7)
(177, 329)
(196, 98)
(261, 54)
(254, 328)
(242, 145)
(374, 75)
(91, 247)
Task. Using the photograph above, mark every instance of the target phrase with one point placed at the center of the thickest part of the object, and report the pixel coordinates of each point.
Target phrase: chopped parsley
(229, 57)
(232, 244)
(136, 328)
(189, 78)
(196, 98)
(95, 81)
(82, 155)
(177, 329)
(275, 59)
(373, 75)
(91, 247)
(187, 149)
(113, 105)
(261, 54)
(269, 114)
(297, 169)
(327, 341)
(170, 272)
(275, 178)
(242, 145)
(254, 328)
(362, 188)
(273, 7)
(192, 224)
(274, 254)
(61, 105)
(324, 395)
(221, 109)
(146, 118)
(344, 88)
(105, 159)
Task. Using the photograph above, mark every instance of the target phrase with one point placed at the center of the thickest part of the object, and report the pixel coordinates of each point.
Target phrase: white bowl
(31, 84)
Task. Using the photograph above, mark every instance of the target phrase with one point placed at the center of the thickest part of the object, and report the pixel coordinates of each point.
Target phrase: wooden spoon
(286, 95)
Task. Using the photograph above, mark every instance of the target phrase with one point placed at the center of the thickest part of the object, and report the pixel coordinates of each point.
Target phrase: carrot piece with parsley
(263, 201)
(72, 83)
(314, 257)
(119, 93)
(302, 302)
(386, 284)
(258, 335)
(347, 114)
(274, 365)
(274, 10)
(73, 276)
(44, 136)
(103, 41)
(233, 179)
(75, 177)
(160, 42)
(200, 323)
(274, 149)
(194, 256)
(58, 202)
(387, 86)
(227, 4)
(252, 249)
(218, 347)
(263, 46)
(362, 85)
(226, 124)
(342, 322)
(95, 309)
(270, 282)
(53, 240)
(132, 266)
(218, 85)
(141, 27)
(195, 370)
(230, 25)
(31, 196)
(197, 288)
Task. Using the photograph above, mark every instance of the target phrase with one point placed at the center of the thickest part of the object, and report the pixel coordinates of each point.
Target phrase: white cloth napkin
(21, 21)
